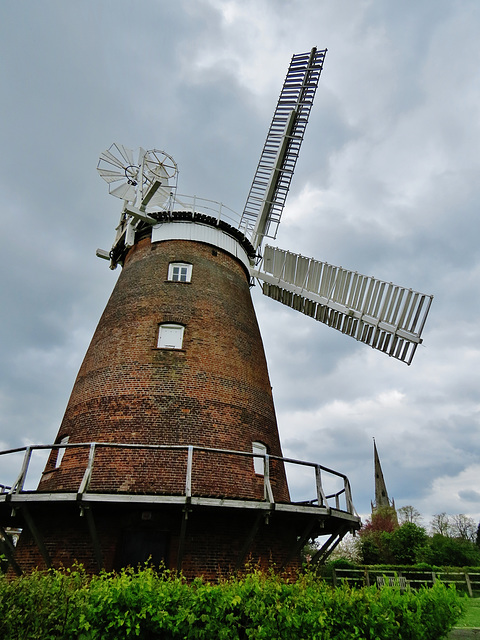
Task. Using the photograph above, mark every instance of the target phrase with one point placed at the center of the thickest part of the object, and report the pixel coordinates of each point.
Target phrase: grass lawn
(471, 617)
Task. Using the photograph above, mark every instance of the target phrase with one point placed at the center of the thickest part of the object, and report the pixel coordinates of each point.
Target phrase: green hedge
(68, 604)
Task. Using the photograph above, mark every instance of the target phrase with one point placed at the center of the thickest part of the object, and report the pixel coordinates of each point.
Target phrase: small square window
(180, 272)
(170, 336)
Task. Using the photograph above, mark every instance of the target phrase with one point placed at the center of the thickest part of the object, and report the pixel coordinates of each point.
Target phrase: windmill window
(170, 336)
(180, 272)
(259, 462)
(61, 452)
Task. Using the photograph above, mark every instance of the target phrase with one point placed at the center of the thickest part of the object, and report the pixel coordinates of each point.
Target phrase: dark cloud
(387, 183)
(469, 495)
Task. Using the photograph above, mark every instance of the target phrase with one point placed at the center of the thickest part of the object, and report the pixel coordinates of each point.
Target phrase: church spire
(381, 494)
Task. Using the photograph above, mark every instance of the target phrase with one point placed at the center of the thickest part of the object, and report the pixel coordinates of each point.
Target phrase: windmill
(169, 447)
(385, 316)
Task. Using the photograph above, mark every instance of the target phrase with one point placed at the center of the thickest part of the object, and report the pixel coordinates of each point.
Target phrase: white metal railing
(217, 210)
(340, 499)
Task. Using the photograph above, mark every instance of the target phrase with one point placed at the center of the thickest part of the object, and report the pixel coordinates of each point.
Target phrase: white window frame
(259, 462)
(170, 336)
(184, 272)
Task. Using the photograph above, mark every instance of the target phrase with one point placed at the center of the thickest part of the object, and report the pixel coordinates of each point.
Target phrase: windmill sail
(271, 182)
(385, 316)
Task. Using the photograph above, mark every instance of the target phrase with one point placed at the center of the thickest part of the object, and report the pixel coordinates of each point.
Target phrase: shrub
(148, 605)
(40, 605)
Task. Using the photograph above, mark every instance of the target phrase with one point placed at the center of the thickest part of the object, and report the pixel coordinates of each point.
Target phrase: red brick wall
(213, 543)
(215, 392)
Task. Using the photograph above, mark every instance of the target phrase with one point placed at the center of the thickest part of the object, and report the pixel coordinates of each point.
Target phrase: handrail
(213, 208)
(322, 499)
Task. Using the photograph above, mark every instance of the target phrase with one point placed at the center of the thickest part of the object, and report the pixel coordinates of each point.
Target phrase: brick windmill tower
(169, 448)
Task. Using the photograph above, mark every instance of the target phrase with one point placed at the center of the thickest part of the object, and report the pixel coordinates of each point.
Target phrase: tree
(463, 527)
(383, 519)
(443, 551)
(371, 550)
(406, 542)
(308, 551)
(374, 536)
(440, 524)
(348, 549)
(392, 545)
(409, 514)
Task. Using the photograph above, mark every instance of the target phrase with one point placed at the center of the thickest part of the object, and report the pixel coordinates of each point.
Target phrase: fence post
(469, 585)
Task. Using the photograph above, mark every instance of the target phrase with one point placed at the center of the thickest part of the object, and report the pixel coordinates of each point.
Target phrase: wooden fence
(467, 581)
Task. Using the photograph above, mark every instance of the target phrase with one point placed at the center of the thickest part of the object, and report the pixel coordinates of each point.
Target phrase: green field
(471, 617)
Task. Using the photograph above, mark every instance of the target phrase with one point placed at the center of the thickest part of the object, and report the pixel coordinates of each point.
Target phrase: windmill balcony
(155, 490)
(180, 466)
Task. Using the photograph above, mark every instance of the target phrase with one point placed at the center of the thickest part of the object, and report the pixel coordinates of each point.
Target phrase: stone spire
(381, 494)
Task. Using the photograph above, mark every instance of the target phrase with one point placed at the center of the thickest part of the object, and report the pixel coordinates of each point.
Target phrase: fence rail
(404, 579)
(340, 499)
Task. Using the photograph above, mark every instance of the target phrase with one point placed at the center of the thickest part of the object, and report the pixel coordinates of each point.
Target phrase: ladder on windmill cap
(271, 183)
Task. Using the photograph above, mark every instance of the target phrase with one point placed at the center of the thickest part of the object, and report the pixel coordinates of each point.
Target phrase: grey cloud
(392, 148)
(470, 495)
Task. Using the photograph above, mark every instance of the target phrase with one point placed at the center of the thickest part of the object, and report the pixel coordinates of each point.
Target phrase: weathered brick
(214, 392)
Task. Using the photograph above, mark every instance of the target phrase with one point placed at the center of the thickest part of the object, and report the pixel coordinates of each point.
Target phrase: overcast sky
(387, 184)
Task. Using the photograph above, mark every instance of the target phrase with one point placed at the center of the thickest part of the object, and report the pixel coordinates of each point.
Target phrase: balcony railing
(218, 210)
(340, 499)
